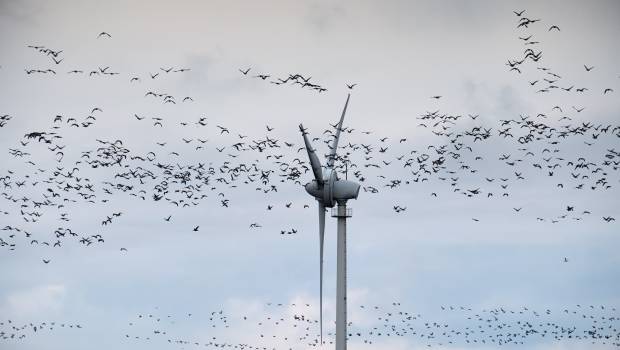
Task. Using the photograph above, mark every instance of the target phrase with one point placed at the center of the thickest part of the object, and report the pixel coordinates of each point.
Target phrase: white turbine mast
(328, 190)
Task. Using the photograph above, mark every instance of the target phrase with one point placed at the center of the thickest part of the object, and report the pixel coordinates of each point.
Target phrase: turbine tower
(328, 190)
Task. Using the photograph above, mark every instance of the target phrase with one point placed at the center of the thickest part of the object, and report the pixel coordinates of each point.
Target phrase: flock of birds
(291, 80)
(33, 196)
(547, 77)
(290, 325)
(11, 330)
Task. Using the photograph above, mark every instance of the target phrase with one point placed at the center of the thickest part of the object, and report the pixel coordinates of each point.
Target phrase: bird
(554, 27)
(518, 13)
(351, 86)
(437, 97)
(46, 261)
(103, 34)
(196, 228)
(245, 72)
(588, 68)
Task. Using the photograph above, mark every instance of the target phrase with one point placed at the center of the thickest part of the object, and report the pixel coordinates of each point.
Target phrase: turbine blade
(332, 154)
(314, 160)
(321, 240)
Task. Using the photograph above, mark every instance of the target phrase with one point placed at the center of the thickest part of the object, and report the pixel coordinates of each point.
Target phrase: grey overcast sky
(488, 151)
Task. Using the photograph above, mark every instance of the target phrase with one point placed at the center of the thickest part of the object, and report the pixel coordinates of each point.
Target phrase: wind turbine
(328, 190)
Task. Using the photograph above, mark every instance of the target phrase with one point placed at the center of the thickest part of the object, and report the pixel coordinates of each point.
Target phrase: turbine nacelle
(344, 190)
(333, 190)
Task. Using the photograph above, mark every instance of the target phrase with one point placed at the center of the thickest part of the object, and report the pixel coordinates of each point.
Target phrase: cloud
(21, 10)
(36, 301)
(322, 15)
